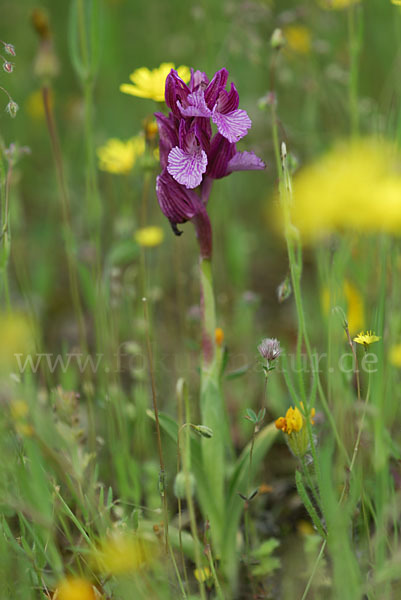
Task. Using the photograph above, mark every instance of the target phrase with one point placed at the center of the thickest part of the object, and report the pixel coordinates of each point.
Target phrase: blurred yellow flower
(202, 574)
(119, 157)
(19, 409)
(354, 301)
(355, 186)
(34, 105)
(148, 83)
(124, 553)
(337, 4)
(74, 589)
(366, 338)
(298, 38)
(16, 338)
(149, 236)
(219, 336)
(396, 2)
(305, 527)
(395, 352)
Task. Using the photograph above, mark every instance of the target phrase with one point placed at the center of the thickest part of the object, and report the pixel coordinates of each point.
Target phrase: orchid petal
(245, 161)
(187, 168)
(196, 105)
(176, 202)
(233, 125)
(214, 88)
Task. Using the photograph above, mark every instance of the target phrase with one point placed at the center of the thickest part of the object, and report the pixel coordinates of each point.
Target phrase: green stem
(217, 586)
(188, 493)
(354, 46)
(212, 407)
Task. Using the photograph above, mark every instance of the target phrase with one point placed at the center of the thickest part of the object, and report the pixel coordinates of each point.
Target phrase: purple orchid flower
(190, 155)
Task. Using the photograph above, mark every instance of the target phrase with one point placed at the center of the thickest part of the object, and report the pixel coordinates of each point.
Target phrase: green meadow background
(109, 453)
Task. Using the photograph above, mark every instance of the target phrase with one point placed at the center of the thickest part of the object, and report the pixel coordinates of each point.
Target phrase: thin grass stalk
(354, 25)
(5, 180)
(162, 481)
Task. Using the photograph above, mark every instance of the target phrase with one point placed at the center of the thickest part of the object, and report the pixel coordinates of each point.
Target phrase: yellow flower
(395, 352)
(366, 338)
(119, 157)
(202, 574)
(293, 425)
(19, 409)
(124, 553)
(354, 301)
(149, 236)
(305, 527)
(74, 589)
(355, 186)
(219, 336)
(337, 4)
(396, 2)
(16, 338)
(34, 105)
(151, 83)
(298, 38)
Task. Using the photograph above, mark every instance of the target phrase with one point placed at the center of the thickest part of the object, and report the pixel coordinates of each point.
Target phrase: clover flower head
(269, 348)
(366, 338)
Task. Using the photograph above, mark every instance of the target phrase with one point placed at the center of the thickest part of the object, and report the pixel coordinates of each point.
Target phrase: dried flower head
(269, 348)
